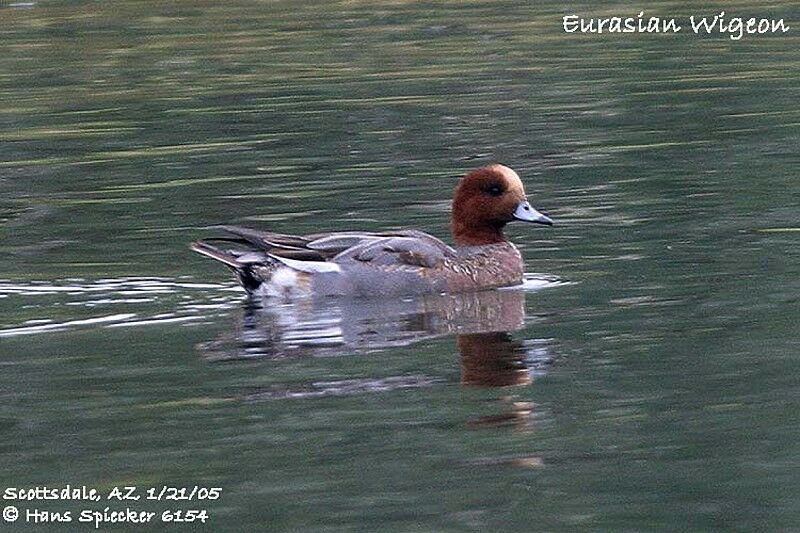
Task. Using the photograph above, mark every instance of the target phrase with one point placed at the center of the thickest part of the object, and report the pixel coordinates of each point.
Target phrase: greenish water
(649, 376)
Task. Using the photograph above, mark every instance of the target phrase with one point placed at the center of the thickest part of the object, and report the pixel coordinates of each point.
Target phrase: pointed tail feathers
(243, 270)
(215, 253)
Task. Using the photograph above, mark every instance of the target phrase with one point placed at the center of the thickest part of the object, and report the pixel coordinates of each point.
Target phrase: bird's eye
(495, 190)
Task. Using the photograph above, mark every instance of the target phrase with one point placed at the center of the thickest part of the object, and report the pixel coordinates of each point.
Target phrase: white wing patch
(309, 267)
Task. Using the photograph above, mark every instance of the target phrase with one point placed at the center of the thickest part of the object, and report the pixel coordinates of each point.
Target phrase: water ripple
(146, 302)
(42, 328)
(149, 301)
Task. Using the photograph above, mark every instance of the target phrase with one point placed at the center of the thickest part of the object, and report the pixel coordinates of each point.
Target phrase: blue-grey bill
(526, 213)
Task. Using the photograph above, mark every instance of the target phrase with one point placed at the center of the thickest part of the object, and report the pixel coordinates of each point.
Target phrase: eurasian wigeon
(395, 262)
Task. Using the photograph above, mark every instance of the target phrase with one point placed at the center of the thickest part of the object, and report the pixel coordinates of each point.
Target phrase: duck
(390, 263)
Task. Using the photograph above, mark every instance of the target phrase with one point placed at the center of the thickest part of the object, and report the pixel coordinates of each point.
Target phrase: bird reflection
(341, 327)
(492, 360)
(482, 323)
(495, 359)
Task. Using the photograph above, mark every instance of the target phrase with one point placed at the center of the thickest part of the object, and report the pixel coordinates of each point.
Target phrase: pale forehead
(509, 176)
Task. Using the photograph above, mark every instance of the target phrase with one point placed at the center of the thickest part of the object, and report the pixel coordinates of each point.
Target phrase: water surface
(648, 383)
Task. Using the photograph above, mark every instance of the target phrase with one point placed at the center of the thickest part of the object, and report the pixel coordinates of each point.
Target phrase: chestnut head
(487, 199)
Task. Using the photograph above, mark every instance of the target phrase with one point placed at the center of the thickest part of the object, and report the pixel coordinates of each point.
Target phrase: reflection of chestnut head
(492, 360)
